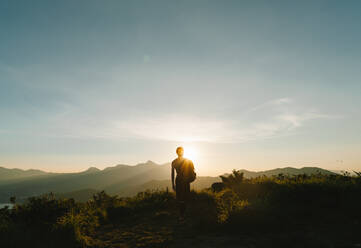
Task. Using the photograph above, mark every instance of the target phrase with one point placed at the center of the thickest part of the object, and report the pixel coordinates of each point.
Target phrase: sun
(190, 152)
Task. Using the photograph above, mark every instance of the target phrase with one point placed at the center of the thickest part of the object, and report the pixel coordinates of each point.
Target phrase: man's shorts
(182, 189)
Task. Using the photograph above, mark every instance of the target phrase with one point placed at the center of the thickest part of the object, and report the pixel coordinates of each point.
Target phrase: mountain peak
(91, 170)
(147, 163)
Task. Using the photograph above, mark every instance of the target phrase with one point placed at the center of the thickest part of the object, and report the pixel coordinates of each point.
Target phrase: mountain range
(123, 180)
(9, 174)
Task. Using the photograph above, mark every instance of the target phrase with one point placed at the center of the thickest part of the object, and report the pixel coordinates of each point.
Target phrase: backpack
(188, 172)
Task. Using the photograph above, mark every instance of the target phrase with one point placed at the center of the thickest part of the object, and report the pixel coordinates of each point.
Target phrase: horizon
(239, 84)
(169, 163)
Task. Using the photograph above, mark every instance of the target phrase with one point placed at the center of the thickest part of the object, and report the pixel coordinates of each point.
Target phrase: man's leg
(180, 194)
(186, 196)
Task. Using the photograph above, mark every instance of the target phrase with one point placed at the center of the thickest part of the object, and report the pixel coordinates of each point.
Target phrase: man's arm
(172, 169)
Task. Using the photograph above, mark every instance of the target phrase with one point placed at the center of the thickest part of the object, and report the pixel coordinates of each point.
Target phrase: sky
(240, 84)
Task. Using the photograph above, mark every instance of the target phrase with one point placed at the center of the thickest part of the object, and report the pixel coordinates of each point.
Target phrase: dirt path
(160, 231)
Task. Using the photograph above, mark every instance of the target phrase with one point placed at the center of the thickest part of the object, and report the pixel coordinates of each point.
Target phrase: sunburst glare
(191, 152)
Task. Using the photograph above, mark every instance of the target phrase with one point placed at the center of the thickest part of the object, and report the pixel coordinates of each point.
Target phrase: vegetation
(284, 211)
(122, 180)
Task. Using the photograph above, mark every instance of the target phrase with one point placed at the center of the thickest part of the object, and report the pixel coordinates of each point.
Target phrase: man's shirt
(181, 164)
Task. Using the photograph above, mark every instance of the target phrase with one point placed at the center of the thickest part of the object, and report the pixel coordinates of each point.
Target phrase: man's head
(180, 151)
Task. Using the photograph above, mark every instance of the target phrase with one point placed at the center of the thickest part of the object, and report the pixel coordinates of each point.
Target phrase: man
(185, 175)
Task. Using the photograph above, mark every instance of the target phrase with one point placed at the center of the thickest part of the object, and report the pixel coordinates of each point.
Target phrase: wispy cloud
(271, 119)
(271, 104)
(95, 111)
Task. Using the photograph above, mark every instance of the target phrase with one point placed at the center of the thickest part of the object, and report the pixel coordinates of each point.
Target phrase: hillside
(80, 195)
(153, 185)
(291, 211)
(287, 171)
(13, 174)
(123, 180)
(111, 179)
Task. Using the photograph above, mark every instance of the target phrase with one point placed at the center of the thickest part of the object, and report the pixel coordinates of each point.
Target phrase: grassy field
(278, 211)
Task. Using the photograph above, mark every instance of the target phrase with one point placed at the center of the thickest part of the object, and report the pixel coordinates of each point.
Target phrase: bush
(262, 205)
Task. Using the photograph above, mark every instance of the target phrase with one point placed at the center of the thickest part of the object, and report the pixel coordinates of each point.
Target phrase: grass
(283, 211)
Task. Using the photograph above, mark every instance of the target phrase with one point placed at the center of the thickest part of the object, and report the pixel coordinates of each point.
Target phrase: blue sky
(246, 84)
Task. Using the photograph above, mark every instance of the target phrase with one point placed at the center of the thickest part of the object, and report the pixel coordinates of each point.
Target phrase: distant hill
(287, 171)
(124, 180)
(111, 179)
(341, 172)
(12, 174)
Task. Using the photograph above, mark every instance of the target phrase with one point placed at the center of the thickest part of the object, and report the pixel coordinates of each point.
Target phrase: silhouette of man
(181, 185)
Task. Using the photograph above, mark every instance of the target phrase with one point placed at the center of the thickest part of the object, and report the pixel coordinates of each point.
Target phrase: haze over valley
(122, 180)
